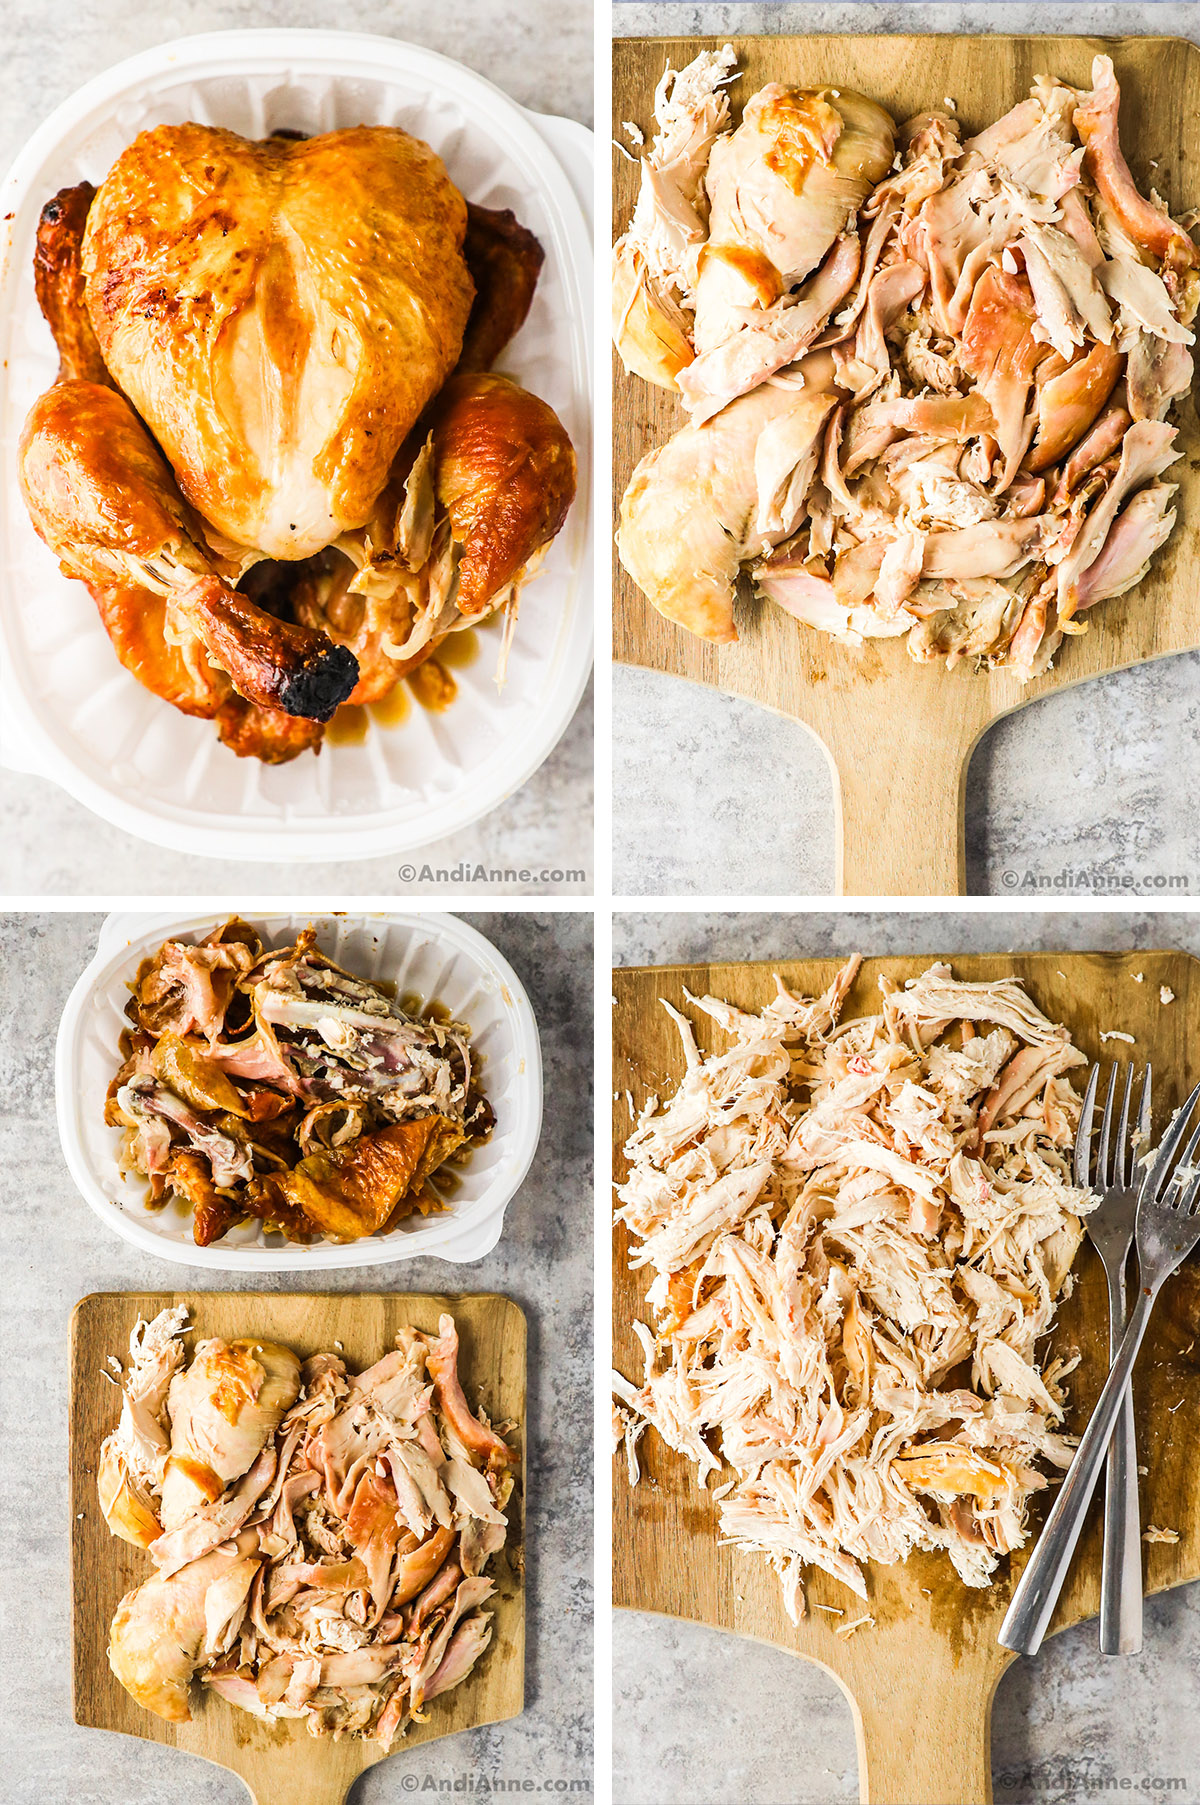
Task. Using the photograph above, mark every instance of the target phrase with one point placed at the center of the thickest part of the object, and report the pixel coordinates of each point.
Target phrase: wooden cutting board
(281, 1763)
(920, 1683)
(899, 736)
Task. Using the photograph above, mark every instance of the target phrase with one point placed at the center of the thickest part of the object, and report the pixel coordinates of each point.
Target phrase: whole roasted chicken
(275, 452)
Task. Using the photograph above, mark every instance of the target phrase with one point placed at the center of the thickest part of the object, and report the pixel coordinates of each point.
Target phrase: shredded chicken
(320, 1539)
(271, 1083)
(927, 392)
(859, 1231)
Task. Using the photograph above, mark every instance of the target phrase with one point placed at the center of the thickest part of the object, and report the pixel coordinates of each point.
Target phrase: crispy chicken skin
(505, 261)
(505, 473)
(279, 313)
(102, 498)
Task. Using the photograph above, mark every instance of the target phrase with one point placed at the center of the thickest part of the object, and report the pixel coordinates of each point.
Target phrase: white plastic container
(437, 957)
(68, 711)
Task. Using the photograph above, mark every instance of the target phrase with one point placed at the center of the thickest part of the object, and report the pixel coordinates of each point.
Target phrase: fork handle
(1121, 1573)
(1029, 1614)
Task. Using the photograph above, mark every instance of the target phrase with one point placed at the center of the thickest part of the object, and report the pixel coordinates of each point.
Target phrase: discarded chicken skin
(272, 1085)
(859, 1231)
(329, 1561)
(928, 392)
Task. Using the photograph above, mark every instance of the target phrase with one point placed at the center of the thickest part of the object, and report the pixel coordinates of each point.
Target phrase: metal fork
(1110, 1230)
(1168, 1227)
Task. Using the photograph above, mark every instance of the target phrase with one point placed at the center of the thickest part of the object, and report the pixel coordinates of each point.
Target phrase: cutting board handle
(899, 806)
(919, 1747)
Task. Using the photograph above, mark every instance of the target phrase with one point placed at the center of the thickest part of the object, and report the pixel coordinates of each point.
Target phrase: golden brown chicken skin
(279, 313)
(505, 474)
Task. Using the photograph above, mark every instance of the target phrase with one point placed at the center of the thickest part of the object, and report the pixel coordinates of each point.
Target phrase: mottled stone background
(541, 53)
(55, 1251)
(713, 796)
(706, 1716)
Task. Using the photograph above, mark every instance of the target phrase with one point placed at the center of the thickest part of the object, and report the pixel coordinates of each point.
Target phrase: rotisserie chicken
(251, 456)
(927, 393)
(320, 1537)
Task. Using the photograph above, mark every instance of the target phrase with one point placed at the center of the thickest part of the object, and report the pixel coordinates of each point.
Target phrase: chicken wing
(58, 283)
(505, 261)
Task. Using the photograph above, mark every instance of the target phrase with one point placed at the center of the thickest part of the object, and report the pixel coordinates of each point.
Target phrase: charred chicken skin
(248, 376)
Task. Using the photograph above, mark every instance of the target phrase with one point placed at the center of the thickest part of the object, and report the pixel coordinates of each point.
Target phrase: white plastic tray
(435, 956)
(69, 711)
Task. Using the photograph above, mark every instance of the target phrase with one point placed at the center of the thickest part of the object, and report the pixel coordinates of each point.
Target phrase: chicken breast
(223, 1410)
(781, 188)
(279, 313)
(691, 514)
(159, 1631)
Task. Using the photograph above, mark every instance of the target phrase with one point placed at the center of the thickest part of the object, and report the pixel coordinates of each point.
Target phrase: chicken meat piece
(279, 313)
(1000, 351)
(504, 260)
(781, 189)
(1151, 228)
(223, 1411)
(653, 269)
(504, 472)
(132, 1459)
(695, 509)
(160, 1631)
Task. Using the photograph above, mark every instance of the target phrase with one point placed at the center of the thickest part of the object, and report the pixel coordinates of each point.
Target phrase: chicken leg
(101, 495)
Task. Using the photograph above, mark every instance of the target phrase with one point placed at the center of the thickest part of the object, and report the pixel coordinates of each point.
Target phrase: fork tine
(1143, 1125)
(1168, 1147)
(1121, 1150)
(1083, 1134)
(1103, 1164)
(1178, 1182)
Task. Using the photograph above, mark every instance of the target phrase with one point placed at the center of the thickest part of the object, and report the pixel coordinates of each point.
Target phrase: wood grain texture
(899, 736)
(281, 1763)
(932, 1658)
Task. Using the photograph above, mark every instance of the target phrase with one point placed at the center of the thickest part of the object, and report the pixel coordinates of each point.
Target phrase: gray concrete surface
(55, 1251)
(711, 1717)
(540, 52)
(714, 796)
